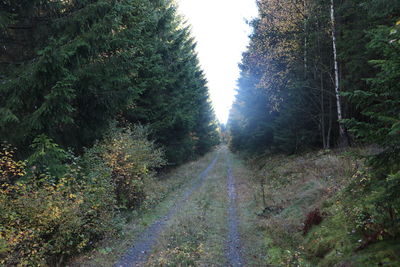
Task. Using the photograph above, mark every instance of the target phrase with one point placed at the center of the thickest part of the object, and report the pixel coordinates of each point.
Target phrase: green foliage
(285, 94)
(47, 158)
(381, 101)
(94, 62)
(286, 97)
(69, 69)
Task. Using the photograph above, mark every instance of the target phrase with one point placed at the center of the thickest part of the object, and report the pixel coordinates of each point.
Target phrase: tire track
(233, 247)
(138, 254)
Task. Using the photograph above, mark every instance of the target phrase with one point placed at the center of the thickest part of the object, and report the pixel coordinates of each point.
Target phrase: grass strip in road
(196, 235)
(137, 255)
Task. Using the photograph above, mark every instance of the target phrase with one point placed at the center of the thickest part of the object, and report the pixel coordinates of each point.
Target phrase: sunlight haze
(221, 33)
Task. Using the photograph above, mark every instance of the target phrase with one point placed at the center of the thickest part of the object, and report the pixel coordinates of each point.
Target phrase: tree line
(70, 68)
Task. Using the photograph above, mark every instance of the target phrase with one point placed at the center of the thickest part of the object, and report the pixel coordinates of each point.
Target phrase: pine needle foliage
(85, 64)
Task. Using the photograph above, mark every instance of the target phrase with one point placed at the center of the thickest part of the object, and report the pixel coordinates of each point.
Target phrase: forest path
(206, 221)
(137, 255)
(205, 232)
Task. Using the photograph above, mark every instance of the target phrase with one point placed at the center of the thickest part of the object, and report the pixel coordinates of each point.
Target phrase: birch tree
(343, 141)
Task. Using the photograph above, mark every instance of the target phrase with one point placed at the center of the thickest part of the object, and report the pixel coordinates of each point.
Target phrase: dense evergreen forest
(95, 96)
(321, 74)
(318, 74)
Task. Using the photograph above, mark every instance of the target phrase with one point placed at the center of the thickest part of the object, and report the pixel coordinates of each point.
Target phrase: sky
(221, 33)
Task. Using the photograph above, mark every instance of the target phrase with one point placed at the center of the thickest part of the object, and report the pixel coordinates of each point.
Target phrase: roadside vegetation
(313, 209)
(166, 189)
(318, 80)
(55, 205)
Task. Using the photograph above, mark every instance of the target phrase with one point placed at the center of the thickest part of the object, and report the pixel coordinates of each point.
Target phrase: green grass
(335, 242)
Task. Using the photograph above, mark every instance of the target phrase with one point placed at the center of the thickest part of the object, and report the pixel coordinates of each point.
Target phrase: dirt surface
(138, 254)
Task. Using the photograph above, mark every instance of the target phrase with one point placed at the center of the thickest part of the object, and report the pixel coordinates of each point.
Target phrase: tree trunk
(318, 62)
(343, 140)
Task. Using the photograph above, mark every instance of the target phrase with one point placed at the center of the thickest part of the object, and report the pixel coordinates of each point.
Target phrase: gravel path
(139, 252)
(233, 250)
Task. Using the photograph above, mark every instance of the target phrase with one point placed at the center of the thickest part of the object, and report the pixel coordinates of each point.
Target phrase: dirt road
(202, 228)
(142, 246)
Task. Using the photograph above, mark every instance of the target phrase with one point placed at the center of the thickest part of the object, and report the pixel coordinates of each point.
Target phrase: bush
(133, 160)
(56, 205)
(45, 220)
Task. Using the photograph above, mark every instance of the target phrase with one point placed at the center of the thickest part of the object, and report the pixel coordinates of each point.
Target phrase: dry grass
(305, 181)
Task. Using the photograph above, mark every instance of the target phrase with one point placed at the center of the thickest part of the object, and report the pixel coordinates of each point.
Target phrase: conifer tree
(86, 64)
(380, 103)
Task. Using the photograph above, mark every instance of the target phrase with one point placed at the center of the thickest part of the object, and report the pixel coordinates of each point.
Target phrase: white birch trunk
(337, 88)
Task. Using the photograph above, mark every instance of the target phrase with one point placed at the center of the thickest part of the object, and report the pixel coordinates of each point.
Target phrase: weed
(313, 218)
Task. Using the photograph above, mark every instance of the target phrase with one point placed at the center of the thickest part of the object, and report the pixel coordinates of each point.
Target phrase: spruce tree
(89, 63)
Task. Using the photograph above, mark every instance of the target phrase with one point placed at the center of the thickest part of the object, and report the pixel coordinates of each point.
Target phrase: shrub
(133, 160)
(45, 220)
(63, 204)
(10, 169)
(47, 158)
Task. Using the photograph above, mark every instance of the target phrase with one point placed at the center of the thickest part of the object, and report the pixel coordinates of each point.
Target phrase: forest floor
(202, 223)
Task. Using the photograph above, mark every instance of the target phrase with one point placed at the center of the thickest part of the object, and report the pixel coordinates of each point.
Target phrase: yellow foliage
(132, 159)
(10, 169)
(41, 221)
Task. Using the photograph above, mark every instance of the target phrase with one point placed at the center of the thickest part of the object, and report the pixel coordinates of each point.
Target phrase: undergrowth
(55, 205)
(320, 209)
